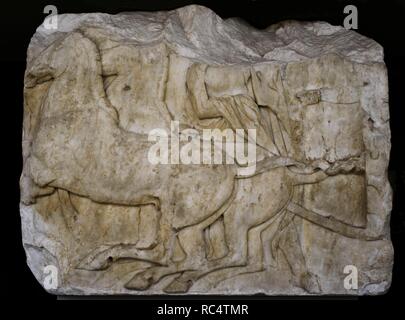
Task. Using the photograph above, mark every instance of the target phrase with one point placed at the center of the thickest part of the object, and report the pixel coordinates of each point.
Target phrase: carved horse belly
(196, 183)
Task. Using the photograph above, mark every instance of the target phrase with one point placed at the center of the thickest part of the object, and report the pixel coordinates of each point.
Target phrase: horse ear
(51, 62)
(42, 68)
(38, 75)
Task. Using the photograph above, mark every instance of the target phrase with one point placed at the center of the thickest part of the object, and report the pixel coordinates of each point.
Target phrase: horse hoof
(140, 282)
(95, 262)
(178, 286)
(310, 283)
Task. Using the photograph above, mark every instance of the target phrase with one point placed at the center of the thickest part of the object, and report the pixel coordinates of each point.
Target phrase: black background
(383, 21)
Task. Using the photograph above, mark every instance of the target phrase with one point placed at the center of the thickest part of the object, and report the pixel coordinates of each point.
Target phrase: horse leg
(187, 244)
(255, 253)
(104, 256)
(289, 245)
(145, 279)
(237, 252)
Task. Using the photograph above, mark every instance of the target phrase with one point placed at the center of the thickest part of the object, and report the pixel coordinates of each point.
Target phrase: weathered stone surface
(111, 222)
